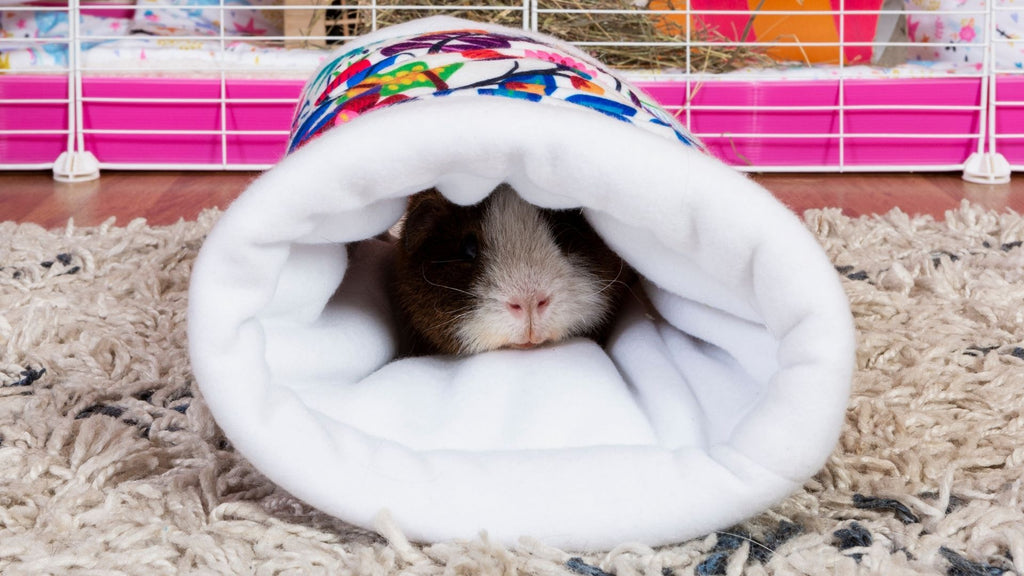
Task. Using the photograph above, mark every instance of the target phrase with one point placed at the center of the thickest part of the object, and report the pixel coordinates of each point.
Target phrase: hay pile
(624, 34)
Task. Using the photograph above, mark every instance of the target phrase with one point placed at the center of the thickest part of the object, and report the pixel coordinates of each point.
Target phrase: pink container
(954, 133)
(766, 133)
(111, 127)
(898, 133)
(21, 146)
(1010, 119)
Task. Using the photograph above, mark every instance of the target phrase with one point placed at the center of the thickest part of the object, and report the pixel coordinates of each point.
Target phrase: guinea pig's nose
(529, 306)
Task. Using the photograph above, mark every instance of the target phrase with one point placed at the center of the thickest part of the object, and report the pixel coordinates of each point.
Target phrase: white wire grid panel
(26, 115)
(197, 85)
(1007, 97)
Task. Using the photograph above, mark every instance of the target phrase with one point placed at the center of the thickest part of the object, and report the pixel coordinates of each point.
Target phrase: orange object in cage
(799, 24)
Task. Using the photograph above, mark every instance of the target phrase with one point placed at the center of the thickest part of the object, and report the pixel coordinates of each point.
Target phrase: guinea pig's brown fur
(501, 274)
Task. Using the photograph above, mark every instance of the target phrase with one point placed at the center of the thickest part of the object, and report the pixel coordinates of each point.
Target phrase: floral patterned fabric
(956, 32)
(54, 24)
(203, 17)
(469, 62)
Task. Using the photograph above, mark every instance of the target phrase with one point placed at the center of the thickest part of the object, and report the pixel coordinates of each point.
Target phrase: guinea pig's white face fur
(529, 291)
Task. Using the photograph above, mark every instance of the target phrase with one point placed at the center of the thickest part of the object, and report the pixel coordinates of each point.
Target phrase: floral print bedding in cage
(202, 17)
(959, 26)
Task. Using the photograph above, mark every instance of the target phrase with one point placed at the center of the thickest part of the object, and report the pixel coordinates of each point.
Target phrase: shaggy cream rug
(110, 463)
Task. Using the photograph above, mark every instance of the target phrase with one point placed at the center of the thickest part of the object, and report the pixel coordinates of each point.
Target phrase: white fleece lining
(685, 424)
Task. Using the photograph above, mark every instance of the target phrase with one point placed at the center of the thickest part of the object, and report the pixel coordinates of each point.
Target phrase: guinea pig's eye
(569, 229)
(469, 248)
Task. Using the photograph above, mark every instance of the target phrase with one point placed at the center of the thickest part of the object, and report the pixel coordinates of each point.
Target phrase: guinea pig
(501, 274)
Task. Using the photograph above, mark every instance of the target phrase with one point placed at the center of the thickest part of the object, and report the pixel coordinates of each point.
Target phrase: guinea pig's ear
(425, 210)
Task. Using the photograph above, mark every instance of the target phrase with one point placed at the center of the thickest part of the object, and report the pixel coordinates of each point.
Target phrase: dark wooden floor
(165, 197)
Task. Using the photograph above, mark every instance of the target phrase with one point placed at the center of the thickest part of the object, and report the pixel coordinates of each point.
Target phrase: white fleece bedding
(701, 413)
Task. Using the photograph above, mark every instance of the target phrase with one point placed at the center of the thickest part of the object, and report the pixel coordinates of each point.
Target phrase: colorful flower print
(967, 33)
(616, 110)
(459, 41)
(960, 26)
(561, 60)
(468, 63)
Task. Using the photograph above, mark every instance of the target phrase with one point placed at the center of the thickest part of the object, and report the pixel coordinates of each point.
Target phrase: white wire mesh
(26, 118)
(201, 86)
(1008, 87)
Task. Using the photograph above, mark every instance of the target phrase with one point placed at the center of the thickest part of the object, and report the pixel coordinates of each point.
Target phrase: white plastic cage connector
(80, 166)
(987, 168)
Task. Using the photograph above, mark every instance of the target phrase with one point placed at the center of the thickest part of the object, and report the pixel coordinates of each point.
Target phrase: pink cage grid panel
(1009, 119)
(939, 118)
(35, 129)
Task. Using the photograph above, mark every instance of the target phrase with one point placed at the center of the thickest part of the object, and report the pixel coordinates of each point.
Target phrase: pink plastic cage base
(762, 138)
(871, 137)
(18, 148)
(241, 117)
(1010, 119)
